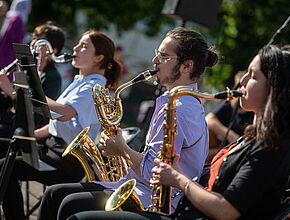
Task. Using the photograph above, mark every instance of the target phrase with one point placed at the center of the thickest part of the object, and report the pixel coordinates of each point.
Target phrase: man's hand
(113, 146)
(165, 174)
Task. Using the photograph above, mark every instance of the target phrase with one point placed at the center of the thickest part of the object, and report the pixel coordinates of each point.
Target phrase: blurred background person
(49, 76)
(3, 10)
(120, 57)
(226, 123)
(13, 30)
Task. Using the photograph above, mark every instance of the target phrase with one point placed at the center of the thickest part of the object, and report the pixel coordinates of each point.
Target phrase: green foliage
(124, 14)
(246, 26)
(243, 26)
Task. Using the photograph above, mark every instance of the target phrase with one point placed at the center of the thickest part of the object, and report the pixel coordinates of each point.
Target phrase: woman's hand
(165, 174)
(7, 86)
(112, 146)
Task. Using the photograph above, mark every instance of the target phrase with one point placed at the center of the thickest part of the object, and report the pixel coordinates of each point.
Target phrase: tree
(244, 27)
(124, 14)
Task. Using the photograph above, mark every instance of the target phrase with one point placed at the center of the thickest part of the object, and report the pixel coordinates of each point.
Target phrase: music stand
(30, 99)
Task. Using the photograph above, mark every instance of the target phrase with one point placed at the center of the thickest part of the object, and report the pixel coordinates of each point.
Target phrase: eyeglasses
(162, 57)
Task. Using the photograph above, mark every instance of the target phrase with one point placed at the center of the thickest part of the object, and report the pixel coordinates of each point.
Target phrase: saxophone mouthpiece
(146, 75)
(64, 58)
(229, 94)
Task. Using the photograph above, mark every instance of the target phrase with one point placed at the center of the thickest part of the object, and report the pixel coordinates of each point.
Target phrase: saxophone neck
(144, 76)
(121, 88)
(178, 91)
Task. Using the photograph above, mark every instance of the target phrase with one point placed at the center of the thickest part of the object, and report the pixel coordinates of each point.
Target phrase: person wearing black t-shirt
(226, 124)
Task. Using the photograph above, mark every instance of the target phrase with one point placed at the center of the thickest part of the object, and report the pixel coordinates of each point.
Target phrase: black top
(224, 114)
(51, 84)
(51, 81)
(252, 179)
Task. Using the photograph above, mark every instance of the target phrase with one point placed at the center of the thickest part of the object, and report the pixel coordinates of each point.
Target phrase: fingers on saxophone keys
(155, 178)
(104, 153)
(103, 135)
(101, 142)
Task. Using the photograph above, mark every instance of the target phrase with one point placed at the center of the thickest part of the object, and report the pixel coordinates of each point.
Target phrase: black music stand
(30, 99)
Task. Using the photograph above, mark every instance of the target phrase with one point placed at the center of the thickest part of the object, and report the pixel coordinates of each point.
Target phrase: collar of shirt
(78, 81)
(161, 100)
(91, 76)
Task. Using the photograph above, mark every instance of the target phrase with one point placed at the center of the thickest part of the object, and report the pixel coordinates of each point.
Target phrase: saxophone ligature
(110, 113)
(161, 194)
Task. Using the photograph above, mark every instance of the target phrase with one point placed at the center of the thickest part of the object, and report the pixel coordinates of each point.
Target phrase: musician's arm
(42, 132)
(210, 203)
(133, 159)
(219, 129)
(66, 110)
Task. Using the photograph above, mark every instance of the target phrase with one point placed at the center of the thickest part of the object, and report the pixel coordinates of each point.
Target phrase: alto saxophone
(161, 194)
(110, 113)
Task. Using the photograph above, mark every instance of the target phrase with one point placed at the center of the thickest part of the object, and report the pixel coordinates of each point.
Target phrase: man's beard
(175, 75)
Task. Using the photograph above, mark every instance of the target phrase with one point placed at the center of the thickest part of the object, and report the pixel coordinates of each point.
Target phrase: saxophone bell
(124, 198)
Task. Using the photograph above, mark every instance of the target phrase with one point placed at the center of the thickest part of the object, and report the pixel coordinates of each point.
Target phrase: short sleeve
(252, 180)
(81, 99)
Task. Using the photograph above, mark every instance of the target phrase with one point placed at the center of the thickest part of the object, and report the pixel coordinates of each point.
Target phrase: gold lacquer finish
(161, 194)
(110, 113)
(85, 150)
(126, 191)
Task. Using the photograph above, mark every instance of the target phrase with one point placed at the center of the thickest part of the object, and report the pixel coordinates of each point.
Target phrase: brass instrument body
(49, 50)
(161, 194)
(110, 113)
(126, 190)
(85, 150)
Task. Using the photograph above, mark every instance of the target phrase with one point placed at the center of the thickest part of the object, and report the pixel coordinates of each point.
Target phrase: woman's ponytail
(112, 74)
(105, 46)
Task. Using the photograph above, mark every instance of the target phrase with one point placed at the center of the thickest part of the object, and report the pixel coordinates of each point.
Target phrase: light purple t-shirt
(191, 142)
